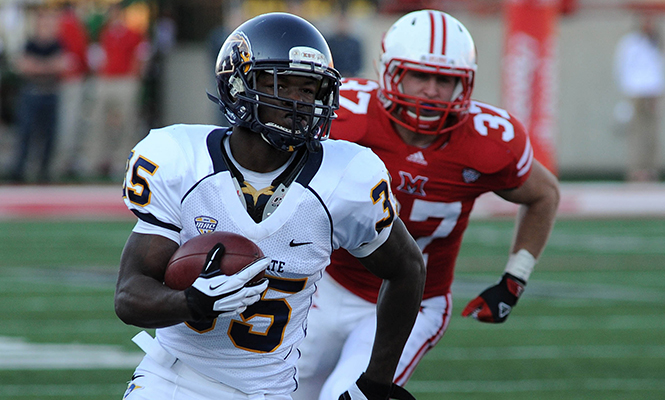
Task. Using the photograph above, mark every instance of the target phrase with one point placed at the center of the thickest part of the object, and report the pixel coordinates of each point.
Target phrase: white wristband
(521, 264)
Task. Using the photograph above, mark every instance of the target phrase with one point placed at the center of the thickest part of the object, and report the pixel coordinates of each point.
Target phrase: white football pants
(340, 335)
(162, 376)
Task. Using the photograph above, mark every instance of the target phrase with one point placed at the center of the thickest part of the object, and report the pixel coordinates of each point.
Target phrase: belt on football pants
(153, 349)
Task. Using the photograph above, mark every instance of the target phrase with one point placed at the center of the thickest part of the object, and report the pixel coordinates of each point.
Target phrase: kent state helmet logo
(205, 224)
(240, 40)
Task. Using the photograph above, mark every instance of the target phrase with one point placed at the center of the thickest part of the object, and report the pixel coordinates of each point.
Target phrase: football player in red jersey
(443, 150)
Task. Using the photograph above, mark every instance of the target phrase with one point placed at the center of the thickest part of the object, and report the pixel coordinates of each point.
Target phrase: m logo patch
(205, 224)
(411, 185)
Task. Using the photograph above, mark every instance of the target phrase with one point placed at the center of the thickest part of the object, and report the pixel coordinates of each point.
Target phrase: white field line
(537, 385)
(568, 322)
(546, 352)
(17, 354)
(589, 200)
(465, 286)
(619, 243)
(609, 244)
(72, 391)
(16, 327)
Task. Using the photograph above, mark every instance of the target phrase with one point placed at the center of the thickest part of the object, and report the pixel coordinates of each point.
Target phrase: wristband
(520, 265)
(371, 389)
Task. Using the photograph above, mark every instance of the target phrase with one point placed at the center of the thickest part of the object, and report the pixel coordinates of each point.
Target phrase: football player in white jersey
(443, 150)
(274, 180)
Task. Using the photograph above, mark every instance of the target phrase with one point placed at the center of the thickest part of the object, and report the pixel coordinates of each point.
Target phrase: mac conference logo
(205, 224)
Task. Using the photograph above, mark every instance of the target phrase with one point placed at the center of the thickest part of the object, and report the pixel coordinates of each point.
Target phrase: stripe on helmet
(438, 33)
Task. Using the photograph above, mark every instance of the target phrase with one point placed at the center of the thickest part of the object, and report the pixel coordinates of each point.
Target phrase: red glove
(496, 302)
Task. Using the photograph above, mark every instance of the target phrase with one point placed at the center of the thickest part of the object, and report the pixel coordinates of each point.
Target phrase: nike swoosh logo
(211, 287)
(296, 244)
(137, 376)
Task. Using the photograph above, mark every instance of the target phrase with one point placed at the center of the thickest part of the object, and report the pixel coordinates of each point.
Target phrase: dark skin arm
(400, 264)
(140, 297)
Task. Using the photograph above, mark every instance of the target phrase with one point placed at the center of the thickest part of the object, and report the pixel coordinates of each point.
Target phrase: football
(188, 261)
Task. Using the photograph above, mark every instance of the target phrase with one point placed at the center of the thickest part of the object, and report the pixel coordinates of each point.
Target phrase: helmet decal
(300, 54)
(228, 64)
(438, 35)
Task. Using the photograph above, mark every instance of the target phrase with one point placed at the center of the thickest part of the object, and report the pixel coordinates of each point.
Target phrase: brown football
(188, 261)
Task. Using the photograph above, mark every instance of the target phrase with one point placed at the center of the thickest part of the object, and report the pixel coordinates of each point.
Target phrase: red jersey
(436, 186)
(74, 39)
(121, 46)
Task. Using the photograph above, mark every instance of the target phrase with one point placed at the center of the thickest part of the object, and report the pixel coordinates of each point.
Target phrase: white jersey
(179, 186)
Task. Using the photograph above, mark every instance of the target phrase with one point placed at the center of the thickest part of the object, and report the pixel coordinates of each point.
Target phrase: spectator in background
(41, 66)
(119, 66)
(346, 48)
(95, 17)
(640, 73)
(74, 39)
(163, 40)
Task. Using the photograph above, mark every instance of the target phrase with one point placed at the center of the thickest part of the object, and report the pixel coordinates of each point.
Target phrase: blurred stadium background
(591, 325)
(588, 115)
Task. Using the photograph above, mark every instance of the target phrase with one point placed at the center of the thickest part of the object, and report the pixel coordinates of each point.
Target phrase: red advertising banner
(529, 72)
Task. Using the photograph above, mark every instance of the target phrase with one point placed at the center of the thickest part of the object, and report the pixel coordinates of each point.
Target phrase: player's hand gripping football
(365, 389)
(496, 302)
(214, 294)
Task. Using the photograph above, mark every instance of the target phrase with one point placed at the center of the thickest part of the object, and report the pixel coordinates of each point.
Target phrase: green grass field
(591, 324)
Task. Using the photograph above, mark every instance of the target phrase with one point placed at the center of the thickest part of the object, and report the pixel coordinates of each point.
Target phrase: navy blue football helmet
(277, 43)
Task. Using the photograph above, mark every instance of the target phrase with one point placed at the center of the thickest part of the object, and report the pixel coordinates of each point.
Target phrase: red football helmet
(432, 42)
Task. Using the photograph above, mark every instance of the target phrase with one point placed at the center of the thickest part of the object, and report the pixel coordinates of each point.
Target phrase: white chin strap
(423, 118)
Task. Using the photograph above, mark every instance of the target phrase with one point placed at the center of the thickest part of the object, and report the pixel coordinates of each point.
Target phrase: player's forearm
(539, 199)
(534, 224)
(146, 303)
(141, 299)
(397, 308)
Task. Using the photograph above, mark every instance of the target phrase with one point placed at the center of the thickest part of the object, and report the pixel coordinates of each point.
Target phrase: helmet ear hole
(236, 86)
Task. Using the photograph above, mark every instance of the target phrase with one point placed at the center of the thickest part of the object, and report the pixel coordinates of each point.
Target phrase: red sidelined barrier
(529, 76)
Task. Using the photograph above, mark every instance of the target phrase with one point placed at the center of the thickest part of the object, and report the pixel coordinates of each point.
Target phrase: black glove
(213, 294)
(495, 303)
(365, 389)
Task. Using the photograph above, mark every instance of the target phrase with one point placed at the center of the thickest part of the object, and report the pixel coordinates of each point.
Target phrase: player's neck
(255, 154)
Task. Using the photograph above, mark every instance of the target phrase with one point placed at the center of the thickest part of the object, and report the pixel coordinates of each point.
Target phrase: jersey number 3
(382, 191)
